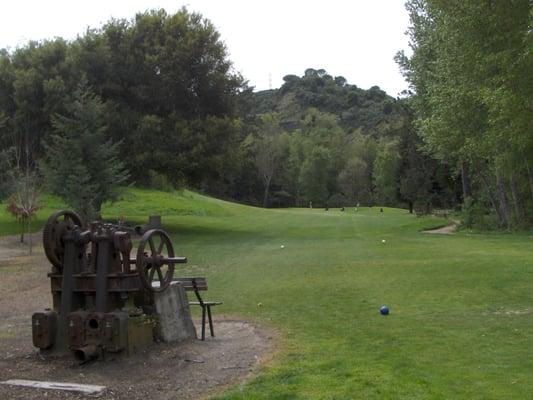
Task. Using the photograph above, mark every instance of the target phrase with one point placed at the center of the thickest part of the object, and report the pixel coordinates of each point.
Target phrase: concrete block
(174, 322)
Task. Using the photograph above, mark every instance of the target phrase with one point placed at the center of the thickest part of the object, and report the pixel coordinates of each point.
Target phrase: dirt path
(188, 370)
(10, 246)
(445, 230)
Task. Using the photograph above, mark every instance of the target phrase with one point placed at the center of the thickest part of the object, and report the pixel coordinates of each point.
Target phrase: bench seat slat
(201, 283)
(191, 287)
(207, 303)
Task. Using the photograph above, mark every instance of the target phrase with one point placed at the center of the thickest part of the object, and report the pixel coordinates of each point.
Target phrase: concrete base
(173, 316)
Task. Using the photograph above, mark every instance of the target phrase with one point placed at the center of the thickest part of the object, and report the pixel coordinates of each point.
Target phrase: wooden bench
(196, 284)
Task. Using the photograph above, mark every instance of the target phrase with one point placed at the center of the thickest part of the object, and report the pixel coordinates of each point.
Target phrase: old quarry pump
(103, 300)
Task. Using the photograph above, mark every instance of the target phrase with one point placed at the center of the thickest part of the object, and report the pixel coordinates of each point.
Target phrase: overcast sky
(266, 39)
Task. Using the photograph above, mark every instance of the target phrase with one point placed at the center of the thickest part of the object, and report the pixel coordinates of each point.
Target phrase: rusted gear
(56, 226)
(152, 260)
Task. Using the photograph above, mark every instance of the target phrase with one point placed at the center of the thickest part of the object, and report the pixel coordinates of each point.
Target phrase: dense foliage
(331, 143)
(470, 72)
(167, 92)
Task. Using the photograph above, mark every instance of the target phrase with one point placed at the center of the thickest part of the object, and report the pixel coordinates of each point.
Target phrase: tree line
(320, 140)
(159, 90)
(472, 91)
(154, 101)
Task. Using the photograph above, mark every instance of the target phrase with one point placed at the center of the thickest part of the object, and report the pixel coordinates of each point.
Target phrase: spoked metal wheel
(56, 226)
(155, 260)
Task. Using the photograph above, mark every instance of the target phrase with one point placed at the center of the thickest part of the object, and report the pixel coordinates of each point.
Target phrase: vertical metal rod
(67, 291)
(102, 269)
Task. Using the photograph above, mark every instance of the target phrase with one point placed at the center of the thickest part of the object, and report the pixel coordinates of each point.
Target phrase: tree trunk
(410, 207)
(30, 243)
(502, 196)
(267, 188)
(530, 178)
(465, 178)
(492, 197)
(517, 201)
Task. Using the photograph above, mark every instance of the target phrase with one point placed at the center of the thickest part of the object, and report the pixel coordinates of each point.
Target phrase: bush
(477, 215)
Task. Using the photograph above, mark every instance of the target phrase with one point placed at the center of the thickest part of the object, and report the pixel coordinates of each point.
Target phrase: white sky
(266, 39)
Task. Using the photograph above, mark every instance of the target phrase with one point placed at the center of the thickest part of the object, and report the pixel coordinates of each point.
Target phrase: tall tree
(473, 97)
(81, 165)
(353, 180)
(386, 173)
(267, 147)
(164, 76)
(314, 176)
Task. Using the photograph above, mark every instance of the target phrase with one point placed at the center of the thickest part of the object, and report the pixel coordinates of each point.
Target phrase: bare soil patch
(186, 370)
(445, 230)
(11, 247)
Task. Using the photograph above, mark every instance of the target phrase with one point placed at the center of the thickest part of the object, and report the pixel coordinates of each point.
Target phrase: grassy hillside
(134, 205)
(461, 315)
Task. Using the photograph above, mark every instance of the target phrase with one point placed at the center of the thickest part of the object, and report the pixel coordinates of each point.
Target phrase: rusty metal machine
(102, 298)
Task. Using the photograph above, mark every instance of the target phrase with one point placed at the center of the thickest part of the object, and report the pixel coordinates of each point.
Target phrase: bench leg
(210, 321)
(203, 322)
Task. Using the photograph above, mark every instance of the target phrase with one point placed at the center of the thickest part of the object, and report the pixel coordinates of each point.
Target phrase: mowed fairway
(461, 322)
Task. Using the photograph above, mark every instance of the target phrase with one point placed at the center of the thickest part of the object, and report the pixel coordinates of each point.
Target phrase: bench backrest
(197, 283)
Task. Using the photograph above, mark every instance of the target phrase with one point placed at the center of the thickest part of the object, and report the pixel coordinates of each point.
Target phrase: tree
(386, 173)
(169, 77)
(163, 76)
(353, 180)
(314, 176)
(267, 149)
(23, 203)
(81, 165)
(473, 95)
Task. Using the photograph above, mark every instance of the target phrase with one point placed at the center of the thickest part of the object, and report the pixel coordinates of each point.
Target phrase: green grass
(135, 205)
(461, 323)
